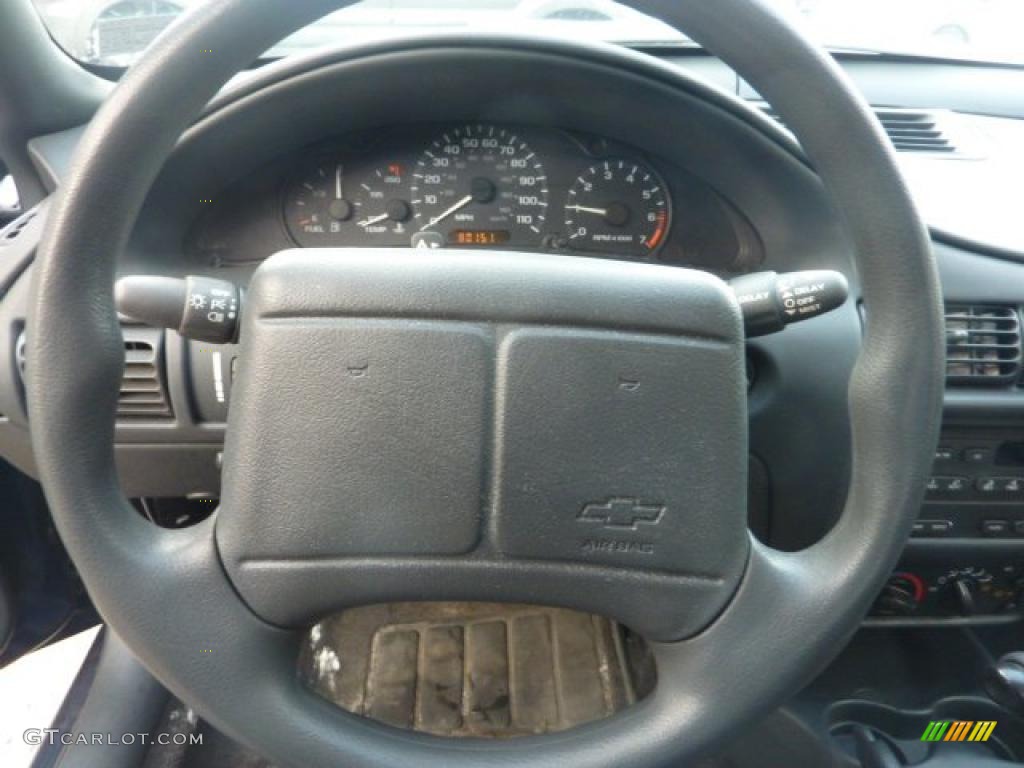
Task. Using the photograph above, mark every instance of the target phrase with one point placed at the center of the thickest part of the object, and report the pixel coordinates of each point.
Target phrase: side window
(10, 205)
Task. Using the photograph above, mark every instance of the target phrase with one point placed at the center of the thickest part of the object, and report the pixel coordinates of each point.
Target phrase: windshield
(115, 32)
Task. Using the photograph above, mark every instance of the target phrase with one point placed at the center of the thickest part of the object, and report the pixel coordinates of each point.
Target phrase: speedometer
(479, 185)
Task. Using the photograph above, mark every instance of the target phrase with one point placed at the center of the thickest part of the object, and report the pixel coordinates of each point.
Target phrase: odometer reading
(480, 185)
(478, 236)
(617, 206)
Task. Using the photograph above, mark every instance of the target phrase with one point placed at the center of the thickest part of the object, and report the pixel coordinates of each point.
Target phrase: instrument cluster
(482, 185)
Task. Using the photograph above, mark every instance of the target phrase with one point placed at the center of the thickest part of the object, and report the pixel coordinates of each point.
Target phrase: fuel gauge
(340, 205)
(316, 208)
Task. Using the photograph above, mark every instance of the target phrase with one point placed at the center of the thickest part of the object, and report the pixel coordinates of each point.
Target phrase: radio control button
(952, 485)
(978, 455)
(988, 485)
(955, 485)
(1012, 485)
(995, 527)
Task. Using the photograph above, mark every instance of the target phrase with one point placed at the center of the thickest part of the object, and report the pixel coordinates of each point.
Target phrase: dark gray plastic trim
(161, 588)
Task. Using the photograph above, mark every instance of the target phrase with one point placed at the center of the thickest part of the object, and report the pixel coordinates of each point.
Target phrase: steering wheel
(486, 450)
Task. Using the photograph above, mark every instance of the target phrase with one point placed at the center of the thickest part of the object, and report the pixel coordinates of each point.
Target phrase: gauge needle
(441, 217)
(337, 182)
(372, 220)
(585, 209)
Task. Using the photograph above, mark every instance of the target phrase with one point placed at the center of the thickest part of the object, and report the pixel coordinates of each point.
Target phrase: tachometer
(479, 185)
(617, 206)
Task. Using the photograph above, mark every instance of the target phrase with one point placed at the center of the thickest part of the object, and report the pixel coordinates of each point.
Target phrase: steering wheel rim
(709, 684)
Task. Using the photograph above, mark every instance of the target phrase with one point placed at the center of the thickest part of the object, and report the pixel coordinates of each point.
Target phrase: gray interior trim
(796, 609)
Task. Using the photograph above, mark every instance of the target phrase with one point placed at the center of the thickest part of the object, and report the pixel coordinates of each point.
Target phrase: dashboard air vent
(909, 130)
(143, 394)
(983, 345)
(914, 131)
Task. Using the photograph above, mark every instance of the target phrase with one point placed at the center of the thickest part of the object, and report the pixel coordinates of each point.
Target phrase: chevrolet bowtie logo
(621, 512)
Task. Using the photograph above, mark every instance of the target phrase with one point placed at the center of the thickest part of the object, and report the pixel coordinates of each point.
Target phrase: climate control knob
(965, 592)
(900, 596)
(971, 591)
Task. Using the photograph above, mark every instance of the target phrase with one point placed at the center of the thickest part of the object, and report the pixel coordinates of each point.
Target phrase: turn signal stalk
(200, 308)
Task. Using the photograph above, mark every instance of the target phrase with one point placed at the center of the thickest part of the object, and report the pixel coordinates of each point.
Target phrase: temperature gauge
(381, 209)
(335, 205)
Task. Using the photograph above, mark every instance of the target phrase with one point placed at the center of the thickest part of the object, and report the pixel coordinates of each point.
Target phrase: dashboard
(480, 185)
(523, 154)
(315, 155)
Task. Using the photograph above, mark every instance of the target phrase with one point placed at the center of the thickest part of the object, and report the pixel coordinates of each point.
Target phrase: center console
(965, 560)
(976, 489)
(964, 563)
